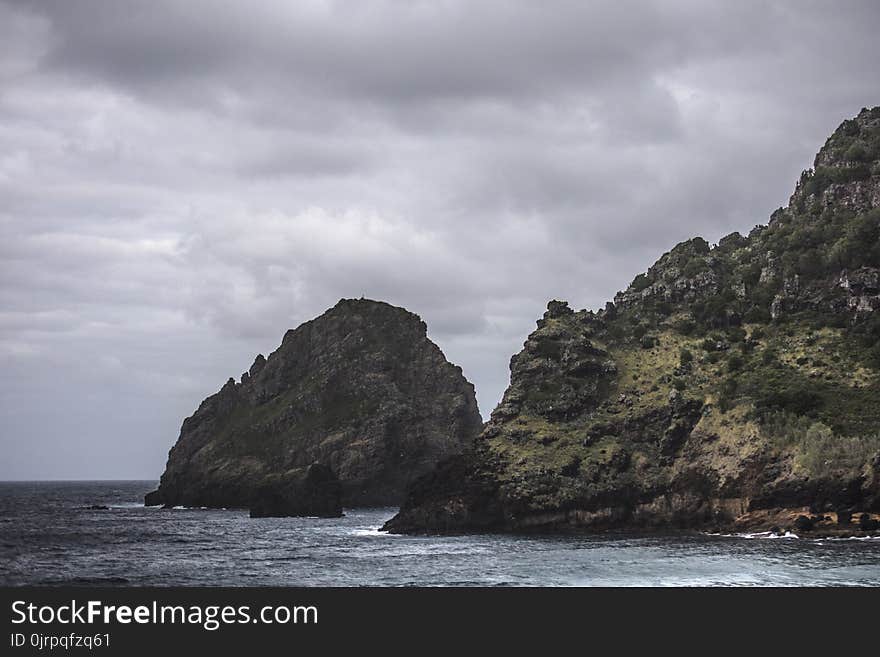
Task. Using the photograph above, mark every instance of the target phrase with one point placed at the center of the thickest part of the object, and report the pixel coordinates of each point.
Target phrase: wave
(371, 532)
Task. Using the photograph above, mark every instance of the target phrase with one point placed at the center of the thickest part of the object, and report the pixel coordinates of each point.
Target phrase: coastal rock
(734, 386)
(313, 491)
(360, 389)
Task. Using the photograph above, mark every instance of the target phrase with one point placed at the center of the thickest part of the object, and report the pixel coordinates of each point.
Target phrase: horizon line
(26, 481)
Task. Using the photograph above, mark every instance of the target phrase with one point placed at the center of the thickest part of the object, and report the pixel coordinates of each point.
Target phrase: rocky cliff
(729, 386)
(360, 390)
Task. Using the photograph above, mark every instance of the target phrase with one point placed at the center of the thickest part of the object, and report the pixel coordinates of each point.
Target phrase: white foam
(758, 535)
(371, 532)
(793, 535)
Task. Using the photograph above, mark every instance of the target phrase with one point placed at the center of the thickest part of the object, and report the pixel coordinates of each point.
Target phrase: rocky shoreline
(810, 525)
(797, 522)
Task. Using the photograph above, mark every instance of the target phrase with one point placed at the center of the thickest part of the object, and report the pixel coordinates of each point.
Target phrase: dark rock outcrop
(804, 523)
(312, 491)
(454, 497)
(733, 386)
(868, 523)
(360, 389)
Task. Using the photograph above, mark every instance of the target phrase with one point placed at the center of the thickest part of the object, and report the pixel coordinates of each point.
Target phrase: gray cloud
(180, 182)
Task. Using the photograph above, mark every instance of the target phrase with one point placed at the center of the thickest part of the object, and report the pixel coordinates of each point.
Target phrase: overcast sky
(181, 182)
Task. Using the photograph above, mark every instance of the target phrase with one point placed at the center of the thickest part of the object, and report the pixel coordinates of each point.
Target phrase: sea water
(49, 537)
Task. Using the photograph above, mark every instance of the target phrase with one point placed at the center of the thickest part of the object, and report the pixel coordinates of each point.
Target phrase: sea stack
(359, 394)
(730, 387)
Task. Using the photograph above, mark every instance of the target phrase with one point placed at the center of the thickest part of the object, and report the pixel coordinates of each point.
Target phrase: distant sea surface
(48, 537)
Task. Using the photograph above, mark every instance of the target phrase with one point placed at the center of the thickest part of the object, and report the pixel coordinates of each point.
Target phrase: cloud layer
(180, 182)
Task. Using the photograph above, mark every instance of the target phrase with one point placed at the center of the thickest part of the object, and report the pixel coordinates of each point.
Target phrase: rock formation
(360, 390)
(729, 386)
(311, 491)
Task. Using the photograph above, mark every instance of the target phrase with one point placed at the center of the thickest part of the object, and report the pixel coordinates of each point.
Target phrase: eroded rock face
(360, 390)
(863, 288)
(734, 386)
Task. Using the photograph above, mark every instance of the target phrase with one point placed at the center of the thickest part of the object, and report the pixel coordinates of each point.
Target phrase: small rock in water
(315, 491)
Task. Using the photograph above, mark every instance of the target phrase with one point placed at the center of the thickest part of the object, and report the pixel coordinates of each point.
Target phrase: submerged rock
(360, 389)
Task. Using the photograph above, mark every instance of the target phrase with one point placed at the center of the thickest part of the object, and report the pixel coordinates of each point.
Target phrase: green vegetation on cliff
(724, 382)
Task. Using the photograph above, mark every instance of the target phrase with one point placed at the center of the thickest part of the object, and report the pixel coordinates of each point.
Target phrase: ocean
(49, 537)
